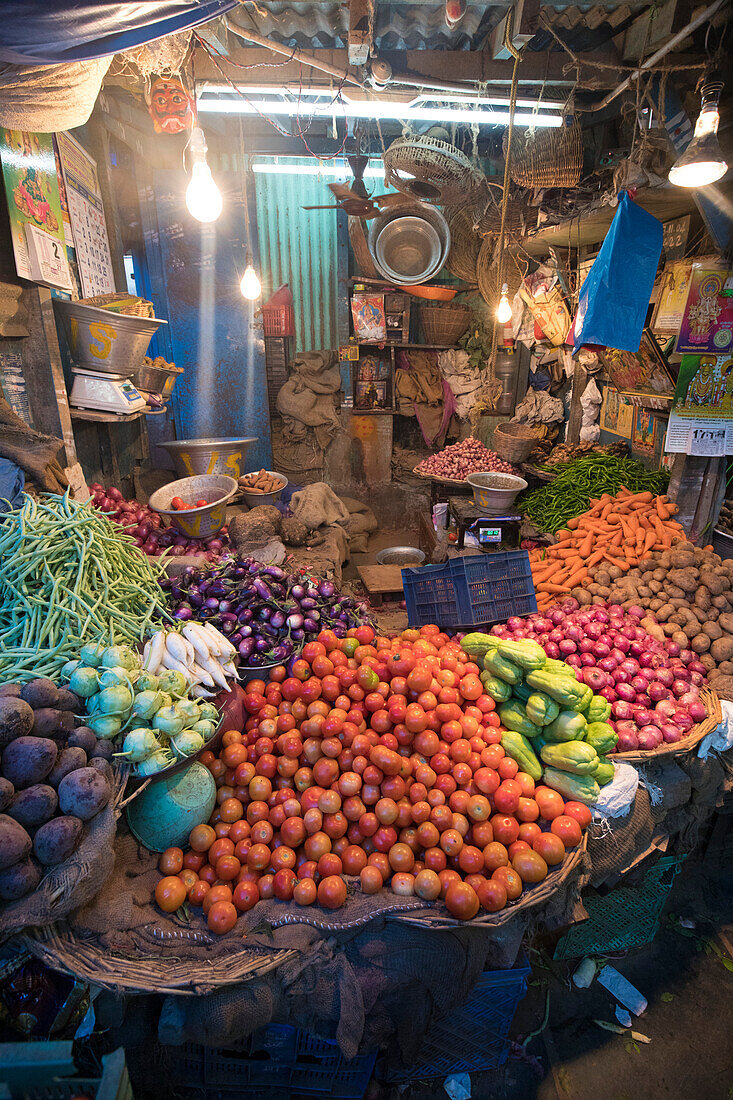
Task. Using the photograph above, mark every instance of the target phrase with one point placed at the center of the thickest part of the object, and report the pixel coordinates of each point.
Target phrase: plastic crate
(278, 320)
(625, 918)
(475, 1036)
(43, 1071)
(470, 591)
(279, 1061)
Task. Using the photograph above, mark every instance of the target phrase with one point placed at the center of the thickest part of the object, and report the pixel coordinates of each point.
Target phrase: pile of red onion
(146, 527)
(467, 457)
(653, 687)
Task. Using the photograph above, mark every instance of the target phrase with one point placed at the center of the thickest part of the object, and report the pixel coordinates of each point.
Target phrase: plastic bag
(615, 295)
(617, 796)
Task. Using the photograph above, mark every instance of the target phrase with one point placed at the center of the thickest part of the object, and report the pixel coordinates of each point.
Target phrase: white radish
(200, 692)
(198, 641)
(155, 653)
(179, 648)
(230, 669)
(213, 667)
(202, 675)
(221, 645)
(169, 661)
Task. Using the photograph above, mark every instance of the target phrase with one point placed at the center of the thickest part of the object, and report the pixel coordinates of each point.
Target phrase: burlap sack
(317, 505)
(47, 98)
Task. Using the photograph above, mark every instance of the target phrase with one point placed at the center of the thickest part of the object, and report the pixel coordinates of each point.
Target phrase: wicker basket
(547, 158)
(515, 442)
(487, 274)
(126, 304)
(444, 323)
(465, 245)
(487, 216)
(679, 748)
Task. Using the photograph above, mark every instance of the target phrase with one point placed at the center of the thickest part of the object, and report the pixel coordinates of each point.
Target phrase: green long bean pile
(569, 495)
(68, 576)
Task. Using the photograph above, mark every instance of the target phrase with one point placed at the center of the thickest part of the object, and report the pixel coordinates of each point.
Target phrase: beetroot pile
(460, 459)
(146, 527)
(652, 686)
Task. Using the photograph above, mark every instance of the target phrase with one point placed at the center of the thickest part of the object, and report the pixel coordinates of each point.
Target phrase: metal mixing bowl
(390, 245)
(196, 523)
(400, 555)
(252, 500)
(209, 456)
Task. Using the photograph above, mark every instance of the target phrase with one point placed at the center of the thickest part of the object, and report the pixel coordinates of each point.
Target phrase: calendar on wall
(86, 213)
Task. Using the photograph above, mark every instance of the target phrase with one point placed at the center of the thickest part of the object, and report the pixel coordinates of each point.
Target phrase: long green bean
(68, 576)
(551, 506)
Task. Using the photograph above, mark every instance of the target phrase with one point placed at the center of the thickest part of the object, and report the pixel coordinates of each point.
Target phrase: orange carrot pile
(619, 529)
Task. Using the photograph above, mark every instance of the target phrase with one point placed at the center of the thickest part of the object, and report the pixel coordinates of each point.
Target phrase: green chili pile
(68, 576)
(577, 481)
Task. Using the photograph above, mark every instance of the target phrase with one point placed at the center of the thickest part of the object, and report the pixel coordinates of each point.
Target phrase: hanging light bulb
(702, 161)
(250, 285)
(504, 310)
(203, 197)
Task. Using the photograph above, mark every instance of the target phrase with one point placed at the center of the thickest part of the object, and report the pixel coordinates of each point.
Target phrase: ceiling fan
(354, 200)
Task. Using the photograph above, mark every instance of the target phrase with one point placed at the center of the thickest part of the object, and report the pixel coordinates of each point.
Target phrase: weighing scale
(493, 533)
(112, 393)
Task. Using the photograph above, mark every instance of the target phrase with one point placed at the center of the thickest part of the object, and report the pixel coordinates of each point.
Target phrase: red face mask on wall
(170, 106)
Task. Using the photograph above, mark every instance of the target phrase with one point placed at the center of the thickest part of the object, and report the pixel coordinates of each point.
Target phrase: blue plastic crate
(470, 591)
(475, 1036)
(277, 1061)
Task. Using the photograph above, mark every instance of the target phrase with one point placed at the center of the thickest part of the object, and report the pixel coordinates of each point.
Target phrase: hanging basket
(515, 442)
(547, 158)
(465, 245)
(487, 215)
(444, 323)
(430, 170)
(487, 274)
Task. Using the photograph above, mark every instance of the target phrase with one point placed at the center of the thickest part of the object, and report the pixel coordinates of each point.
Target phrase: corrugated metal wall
(299, 247)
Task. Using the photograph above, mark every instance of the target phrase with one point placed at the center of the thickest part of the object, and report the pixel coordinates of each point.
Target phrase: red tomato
(332, 891)
(568, 829)
(222, 917)
(530, 866)
(245, 896)
(550, 803)
(492, 895)
(550, 847)
(510, 880)
(506, 828)
(580, 812)
(507, 796)
(371, 880)
(461, 901)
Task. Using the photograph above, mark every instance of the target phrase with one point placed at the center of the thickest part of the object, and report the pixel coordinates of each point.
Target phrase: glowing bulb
(203, 197)
(504, 310)
(250, 285)
(702, 161)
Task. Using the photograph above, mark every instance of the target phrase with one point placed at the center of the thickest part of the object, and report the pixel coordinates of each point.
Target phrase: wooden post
(43, 371)
(361, 26)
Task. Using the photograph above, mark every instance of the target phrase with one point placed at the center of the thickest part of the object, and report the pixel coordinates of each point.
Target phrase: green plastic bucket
(163, 815)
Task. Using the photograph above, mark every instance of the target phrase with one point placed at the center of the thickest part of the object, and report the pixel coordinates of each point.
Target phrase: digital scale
(113, 393)
(492, 533)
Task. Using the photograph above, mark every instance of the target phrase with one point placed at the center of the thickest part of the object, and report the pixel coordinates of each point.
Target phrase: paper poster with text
(32, 190)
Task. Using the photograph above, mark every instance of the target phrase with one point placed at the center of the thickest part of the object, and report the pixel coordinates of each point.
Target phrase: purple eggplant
(327, 589)
(246, 647)
(308, 603)
(297, 592)
(294, 621)
(262, 645)
(183, 614)
(277, 619)
(298, 634)
(245, 616)
(310, 626)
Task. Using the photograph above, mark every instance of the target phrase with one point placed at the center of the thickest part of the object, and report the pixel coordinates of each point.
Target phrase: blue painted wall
(213, 335)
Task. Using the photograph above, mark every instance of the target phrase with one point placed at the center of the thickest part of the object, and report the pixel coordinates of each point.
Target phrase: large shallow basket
(515, 442)
(487, 273)
(715, 716)
(547, 157)
(444, 323)
(465, 244)
(429, 169)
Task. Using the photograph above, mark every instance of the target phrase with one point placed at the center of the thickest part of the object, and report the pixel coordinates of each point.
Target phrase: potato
(722, 649)
(724, 686)
(665, 612)
(614, 572)
(19, 880)
(10, 691)
(104, 768)
(16, 719)
(82, 738)
(726, 667)
(68, 760)
(726, 623)
(700, 643)
(712, 630)
(84, 793)
(28, 760)
(68, 701)
(56, 840)
(713, 583)
(105, 749)
(40, 693)
(15, 844)
(47, 723)
(7, 792)
(681, 558)
(34, 805)
(680, 638)
(707, 662)
(655, 604)
(722, 603)
(669, 629)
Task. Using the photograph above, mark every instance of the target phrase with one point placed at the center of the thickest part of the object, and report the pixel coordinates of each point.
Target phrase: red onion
(697, 666)
(625, 692)
(587, 660)
(671, 733)
(595, 678)
(665, 676)
(649, 737)
(567, 646)
(608, 664)
(696, 710)
(573, 660)
(672, 648)
(679, 687)
(621, 709)
(665, 707)
(628, 740)
(552, 650)
(600, 650)
(682, 719)
(657, 692)
(629, 666)
(609, 694)
(697, 678)
(642, 716)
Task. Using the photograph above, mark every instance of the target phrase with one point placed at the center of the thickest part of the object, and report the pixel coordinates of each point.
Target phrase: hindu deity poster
(707, 324)
(32, 190)
(705, 387)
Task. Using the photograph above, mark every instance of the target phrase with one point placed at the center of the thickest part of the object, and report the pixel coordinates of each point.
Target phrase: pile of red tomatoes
(375, 758)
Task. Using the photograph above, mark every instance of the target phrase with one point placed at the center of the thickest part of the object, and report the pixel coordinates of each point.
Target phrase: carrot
(607, 509)
(595, 558)
(621, 563)
(575, 578)
(586, 547)
(555, 588)
(649, 539)
(573, 523)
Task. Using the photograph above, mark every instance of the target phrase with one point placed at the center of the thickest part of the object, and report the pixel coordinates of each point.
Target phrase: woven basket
(444, 323)
(547, 158)
(430, 170)
(515, 442)
(133, 307)
(362, 255)
(465, 245)
(487, 274)
(694, 737)
(487, 216)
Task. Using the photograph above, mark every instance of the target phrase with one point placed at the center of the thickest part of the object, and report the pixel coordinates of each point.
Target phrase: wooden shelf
(389, 344)
(368, 412)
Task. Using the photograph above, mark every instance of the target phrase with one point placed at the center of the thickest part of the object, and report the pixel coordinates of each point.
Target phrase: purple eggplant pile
(266, 613)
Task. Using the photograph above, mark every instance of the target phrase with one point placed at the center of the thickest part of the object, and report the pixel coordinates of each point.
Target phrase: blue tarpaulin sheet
(49, 32)
(12, 483)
